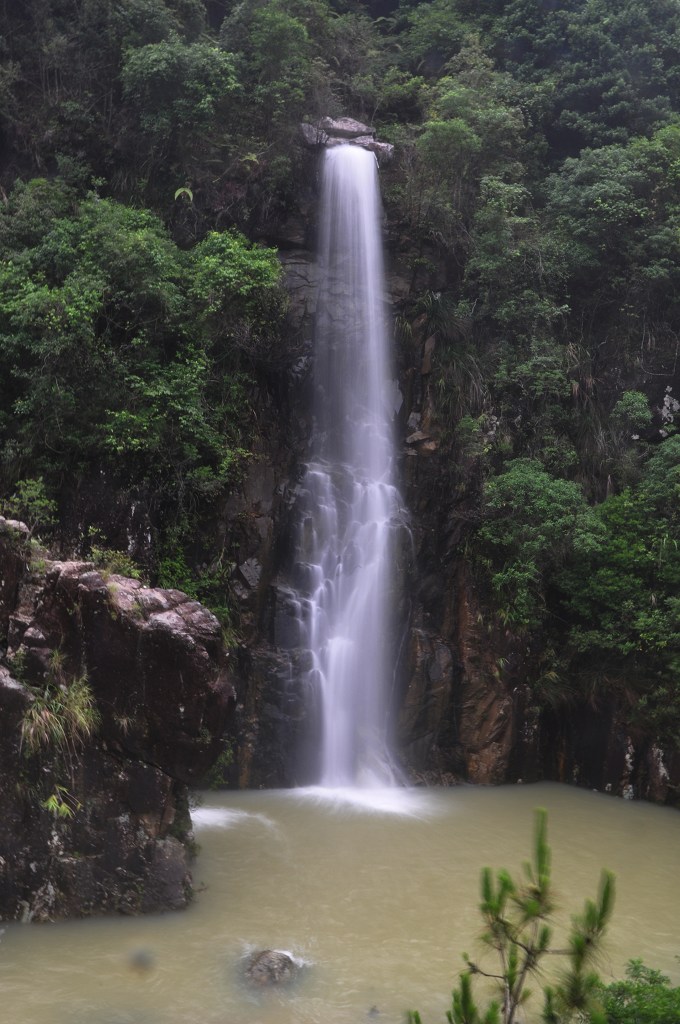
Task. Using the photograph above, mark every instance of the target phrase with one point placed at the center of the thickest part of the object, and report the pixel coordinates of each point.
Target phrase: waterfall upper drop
(352, 507)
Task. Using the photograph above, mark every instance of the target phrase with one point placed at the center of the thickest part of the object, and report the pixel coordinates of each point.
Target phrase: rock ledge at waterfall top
(328, 131)
(156, 666)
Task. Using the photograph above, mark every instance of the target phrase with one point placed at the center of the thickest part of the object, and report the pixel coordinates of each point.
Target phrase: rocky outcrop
(97, 820)
(428, 737)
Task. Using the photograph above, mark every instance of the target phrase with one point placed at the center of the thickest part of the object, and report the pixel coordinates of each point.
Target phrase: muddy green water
(379, 901)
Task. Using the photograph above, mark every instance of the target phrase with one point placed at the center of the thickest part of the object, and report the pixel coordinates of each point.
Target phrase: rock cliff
(113, 698)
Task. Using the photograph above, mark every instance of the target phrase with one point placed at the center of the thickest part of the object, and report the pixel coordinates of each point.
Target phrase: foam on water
(225, 817)
(393, 800)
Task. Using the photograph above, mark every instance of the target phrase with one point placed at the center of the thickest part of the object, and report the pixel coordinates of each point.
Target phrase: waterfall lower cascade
(352, 507)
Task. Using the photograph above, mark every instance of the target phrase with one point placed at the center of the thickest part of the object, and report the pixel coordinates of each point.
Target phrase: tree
(31, 503)
(534, 524)
(645, 997)
(275, 52)
(63, 94)
(474, 130)
(174, 94)
(517, 929)
(620, 599)
(123, 355)
(609, 66)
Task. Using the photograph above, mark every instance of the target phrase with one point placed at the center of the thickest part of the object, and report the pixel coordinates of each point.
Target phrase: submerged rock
(271, 967)
(142, 961)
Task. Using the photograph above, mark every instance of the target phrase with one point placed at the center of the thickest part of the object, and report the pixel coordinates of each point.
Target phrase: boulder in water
(271, 967)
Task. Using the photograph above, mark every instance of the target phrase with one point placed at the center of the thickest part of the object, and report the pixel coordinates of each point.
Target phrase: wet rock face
(117, 835)
(427, 724)
(276, 720)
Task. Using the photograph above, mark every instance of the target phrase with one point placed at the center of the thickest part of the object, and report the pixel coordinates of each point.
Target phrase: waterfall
(351, 504)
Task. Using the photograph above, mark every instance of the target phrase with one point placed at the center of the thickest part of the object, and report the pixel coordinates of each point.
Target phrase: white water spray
(352, 504)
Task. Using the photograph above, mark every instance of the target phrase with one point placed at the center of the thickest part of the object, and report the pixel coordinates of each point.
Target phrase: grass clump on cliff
(60, 719)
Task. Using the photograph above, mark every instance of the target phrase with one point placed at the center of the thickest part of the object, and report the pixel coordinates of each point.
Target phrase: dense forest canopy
(150, 152)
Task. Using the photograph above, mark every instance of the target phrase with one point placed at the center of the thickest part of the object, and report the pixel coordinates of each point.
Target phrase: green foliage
(516, 267)
(120, 351)
(473, 131)
(61, 804)
(621, 598)
(600, 582)
(363, 76)
(631, 413)
(646, 997)
(278, 53)
(534, 524)
(218, 775)
(464, 1010)
(235, 279)
(609, 68)
(211, 585)
(65, 95)
(630, 196)
(177, 86)
(30, 503)
(662, 479)
(175, 574)
(123, 355)
(434, 33)
(117, 563)
(60, 719)
(518, 931)
(176, 91)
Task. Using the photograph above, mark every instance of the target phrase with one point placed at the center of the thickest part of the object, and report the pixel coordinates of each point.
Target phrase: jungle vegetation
(150, 153)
